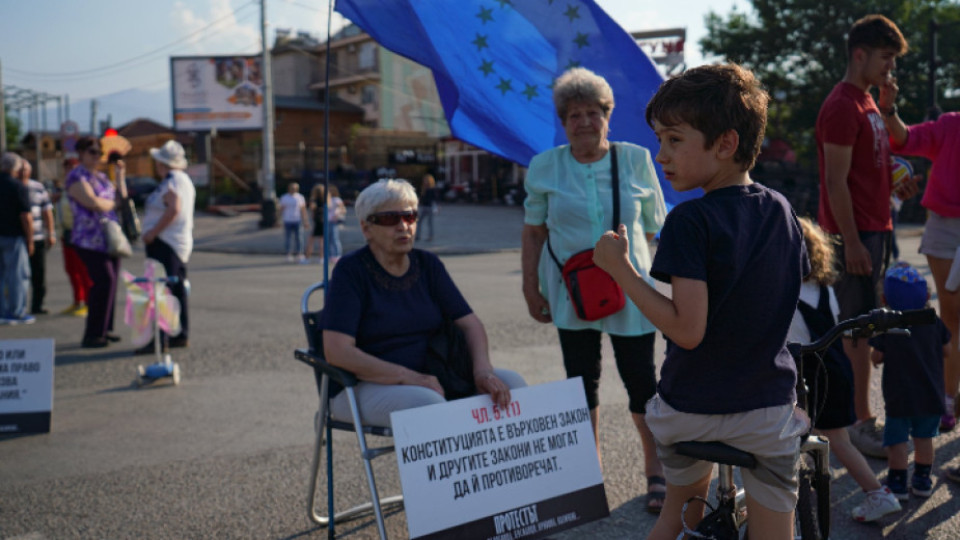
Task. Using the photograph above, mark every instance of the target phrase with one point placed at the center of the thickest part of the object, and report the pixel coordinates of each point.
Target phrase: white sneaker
(877, 504)
(289, 257)
(867, 437)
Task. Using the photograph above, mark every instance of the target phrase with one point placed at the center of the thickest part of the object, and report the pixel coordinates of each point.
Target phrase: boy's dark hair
(713, 100)
(876, 32)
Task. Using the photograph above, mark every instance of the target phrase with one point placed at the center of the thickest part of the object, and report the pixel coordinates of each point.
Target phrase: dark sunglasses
(390, 219)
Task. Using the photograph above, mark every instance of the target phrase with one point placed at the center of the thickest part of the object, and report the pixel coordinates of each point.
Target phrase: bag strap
(616, 186)
(615, 173)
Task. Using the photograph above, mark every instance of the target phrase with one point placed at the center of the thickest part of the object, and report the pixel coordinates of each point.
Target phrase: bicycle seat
(716, 452)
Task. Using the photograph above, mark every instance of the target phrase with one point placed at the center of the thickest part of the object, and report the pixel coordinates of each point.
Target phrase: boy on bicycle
(735, 260)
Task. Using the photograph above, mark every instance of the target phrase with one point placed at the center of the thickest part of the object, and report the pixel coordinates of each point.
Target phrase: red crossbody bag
(592, 291)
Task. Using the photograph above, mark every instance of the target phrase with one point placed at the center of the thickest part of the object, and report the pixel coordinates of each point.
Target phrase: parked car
(140, 187)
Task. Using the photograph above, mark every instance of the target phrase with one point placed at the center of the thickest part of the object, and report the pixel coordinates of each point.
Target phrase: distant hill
(120, 107)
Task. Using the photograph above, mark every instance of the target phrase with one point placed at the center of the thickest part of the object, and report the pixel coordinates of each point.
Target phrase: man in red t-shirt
(855, 187)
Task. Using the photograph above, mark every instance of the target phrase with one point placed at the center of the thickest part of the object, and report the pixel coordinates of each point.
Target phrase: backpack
(817, 372)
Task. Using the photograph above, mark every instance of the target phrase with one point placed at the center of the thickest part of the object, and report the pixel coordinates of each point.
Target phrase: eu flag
(494, 63)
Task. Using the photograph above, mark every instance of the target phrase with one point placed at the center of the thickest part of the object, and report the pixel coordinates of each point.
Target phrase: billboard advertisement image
(222, 92)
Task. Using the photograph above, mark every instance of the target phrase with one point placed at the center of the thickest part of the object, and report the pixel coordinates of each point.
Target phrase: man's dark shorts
(859, 294)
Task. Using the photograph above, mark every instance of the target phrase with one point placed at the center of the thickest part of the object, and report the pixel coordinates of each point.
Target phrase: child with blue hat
(912, 384)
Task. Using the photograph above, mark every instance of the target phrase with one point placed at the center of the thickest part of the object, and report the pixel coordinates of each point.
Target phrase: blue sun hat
(905, 288)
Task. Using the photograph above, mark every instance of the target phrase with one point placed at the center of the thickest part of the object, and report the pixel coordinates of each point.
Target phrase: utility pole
(37, 134)
(3, 116)
(17, 99)
(93, 118)
(269, 205)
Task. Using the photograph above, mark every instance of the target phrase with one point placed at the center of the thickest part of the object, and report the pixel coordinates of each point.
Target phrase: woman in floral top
(92, 197)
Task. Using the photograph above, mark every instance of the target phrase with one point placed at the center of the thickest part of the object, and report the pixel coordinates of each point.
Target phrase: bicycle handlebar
(877, 321)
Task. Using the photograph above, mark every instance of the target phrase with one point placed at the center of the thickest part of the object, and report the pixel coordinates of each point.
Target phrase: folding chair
(325, 426)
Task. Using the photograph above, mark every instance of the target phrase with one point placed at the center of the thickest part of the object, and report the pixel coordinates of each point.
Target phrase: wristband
(891, 111)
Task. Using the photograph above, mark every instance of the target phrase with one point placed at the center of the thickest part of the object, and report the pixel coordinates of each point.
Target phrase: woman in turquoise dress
(570, 202)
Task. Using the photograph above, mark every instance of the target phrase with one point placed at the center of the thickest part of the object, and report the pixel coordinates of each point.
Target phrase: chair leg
(325, 438)
(362, 441)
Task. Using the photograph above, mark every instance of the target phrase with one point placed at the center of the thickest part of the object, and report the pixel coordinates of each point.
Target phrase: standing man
(293, 208)
(855, 188)
(44, 237)
(16, 242)
(168, 226)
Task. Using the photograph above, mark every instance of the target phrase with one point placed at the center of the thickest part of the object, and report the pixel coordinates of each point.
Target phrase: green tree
(13, 129)
(797, 49)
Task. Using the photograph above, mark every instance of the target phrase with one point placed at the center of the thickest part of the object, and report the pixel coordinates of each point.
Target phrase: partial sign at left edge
(26, 385)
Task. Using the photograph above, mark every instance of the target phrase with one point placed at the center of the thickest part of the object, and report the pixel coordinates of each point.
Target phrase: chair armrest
(317, 362)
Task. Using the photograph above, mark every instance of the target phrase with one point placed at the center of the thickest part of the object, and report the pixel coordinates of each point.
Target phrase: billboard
(222, 92)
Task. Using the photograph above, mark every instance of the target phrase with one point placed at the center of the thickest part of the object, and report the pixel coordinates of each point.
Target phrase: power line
(120, 69)
(83, 73)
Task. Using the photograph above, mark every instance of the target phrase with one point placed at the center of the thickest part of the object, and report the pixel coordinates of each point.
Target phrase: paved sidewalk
(459, 229)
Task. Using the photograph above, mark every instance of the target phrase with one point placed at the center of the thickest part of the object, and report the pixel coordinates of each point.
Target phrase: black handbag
(448, 359)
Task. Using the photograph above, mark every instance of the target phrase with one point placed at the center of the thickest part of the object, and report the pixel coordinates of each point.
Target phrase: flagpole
(326, 151)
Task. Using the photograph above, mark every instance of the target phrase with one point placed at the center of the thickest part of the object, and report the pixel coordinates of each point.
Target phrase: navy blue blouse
(392, 318)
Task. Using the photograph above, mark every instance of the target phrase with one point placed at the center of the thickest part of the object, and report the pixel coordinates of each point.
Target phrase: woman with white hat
(168, 230)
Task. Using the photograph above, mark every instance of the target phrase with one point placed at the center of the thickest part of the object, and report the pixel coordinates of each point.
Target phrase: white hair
(9, 163)
(382, 193)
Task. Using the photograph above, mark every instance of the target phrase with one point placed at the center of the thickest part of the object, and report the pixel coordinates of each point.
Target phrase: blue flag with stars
(494, 63)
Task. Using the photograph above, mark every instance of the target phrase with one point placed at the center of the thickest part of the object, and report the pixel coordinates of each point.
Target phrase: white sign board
(222, 92)
(26, 385)
(472, 470)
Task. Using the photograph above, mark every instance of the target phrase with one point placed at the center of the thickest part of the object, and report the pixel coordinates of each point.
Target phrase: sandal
(655, 499)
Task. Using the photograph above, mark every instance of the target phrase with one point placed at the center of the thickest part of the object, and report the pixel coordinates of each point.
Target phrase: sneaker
(867, 437)
(289, 257)
(921, 485)
(898, 487)
(877, 504)
(953, 474)
(39, 311)
(26, 319)
(178, 342)
(80, 311)
(70, 309)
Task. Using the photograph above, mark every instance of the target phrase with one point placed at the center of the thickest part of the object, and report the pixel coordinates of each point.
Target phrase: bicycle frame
(730, 515)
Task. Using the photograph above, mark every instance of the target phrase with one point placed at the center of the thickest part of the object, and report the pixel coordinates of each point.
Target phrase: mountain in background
(120, 107)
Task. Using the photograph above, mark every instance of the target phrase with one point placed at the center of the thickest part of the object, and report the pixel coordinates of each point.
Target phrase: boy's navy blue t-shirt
(392, 318)
(913, 370)
(746, 244)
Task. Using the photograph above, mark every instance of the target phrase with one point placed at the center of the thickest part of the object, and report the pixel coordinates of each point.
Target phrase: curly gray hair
(583, 86)
(384, 192)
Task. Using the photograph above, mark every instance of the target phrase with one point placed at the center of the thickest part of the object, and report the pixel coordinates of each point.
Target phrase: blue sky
(98, 47)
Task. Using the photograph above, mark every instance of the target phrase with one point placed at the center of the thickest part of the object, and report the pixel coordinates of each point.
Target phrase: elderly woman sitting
(385, 303)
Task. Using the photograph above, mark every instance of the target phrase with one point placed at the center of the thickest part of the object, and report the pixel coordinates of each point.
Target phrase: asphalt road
(226, 454)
